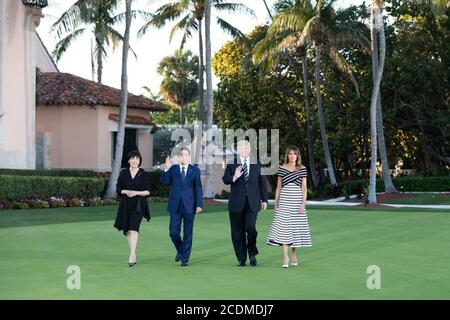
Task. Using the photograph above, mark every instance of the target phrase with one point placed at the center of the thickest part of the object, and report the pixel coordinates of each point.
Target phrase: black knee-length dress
(132, 210)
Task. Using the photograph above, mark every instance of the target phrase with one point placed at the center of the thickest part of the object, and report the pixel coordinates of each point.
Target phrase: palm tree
(439, 6)
(302, 24)
(209, 190)
(117, 161)
(179, 84)
(192, 13)
(376, 26)
(99, 17)
(267, 49)
(376, 64)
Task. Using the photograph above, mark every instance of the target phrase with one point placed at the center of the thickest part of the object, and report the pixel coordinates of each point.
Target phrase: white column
(2, 19)
(32, 20)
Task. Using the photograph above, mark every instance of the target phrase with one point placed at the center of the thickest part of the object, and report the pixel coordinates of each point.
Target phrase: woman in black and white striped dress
(290, 226)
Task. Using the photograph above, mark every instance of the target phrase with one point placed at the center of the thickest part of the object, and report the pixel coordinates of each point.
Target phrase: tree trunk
(111, 190)
(209, 182)
(377, 24)
(312, 163)
(99, 44)
(268, 10)
(323, 132)
(387, 180)
(201, 104)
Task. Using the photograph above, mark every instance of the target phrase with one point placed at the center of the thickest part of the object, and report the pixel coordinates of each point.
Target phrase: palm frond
(164, 14)
(225, 26)
(120, 18)
(116, 38)
(290, 20)
(234, 8)
(181, 25)
(69, 20)
(62, 45)
(343, 66)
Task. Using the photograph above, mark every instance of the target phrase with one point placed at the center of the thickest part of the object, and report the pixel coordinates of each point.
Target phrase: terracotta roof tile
(67, 89)
(132, 119)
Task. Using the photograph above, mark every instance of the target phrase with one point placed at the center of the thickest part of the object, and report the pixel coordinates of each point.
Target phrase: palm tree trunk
(111, 190)
(376, 24)
(99, 45)
(312, 163)
(268, 10)
(201, 104)
(323, 132)
(388, 184)
(209, 182)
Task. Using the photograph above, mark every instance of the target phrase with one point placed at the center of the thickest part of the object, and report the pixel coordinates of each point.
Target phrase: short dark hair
(134, 153)
(184, 149)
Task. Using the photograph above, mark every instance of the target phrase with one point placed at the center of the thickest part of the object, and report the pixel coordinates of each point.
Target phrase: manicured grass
(410, 247)
(423, 198)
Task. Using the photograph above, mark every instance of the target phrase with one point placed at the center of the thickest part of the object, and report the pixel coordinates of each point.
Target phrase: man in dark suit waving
(248, 190)
(185, 200)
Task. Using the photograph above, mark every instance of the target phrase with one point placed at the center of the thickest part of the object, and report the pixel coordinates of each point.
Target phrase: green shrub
(110, 202)
(93, 202)
(224, 195)
(5, 204)
(49, 173)
(74, 202)
(157, 188)
(56, 202)
(15, 188)
(38, 204)
(20, 205)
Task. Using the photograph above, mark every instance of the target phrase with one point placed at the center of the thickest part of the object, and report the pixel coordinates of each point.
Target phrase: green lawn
(424, 198)
(410, 246)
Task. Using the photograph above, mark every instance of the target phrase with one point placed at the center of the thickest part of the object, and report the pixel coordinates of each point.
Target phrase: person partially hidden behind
(248, 190)
(185, 200)
(133, 188)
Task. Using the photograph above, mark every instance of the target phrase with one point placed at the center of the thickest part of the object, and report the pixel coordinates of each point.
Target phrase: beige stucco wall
(17, 84)
(43, 60)
(80, 137)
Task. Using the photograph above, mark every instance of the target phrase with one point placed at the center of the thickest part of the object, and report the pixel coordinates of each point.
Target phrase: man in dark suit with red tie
(248, 196)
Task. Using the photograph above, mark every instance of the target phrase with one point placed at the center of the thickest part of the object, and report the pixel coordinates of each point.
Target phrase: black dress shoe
(177, 257)
(241, 263)
(253, 261)
(184, 264)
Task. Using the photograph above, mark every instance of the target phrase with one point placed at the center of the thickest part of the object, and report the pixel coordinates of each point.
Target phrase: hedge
(22, 187)
(49, 173)
(408, 184)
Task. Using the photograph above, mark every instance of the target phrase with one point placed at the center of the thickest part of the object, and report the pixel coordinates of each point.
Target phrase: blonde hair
(298, 162)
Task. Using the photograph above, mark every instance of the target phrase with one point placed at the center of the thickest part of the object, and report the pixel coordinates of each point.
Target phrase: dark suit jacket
(255, 188)
(190, 192)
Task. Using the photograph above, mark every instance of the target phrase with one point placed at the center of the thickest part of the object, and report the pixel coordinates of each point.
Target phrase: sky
(151, 48)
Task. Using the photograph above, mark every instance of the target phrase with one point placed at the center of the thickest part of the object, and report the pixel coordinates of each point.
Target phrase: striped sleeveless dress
(289, 226)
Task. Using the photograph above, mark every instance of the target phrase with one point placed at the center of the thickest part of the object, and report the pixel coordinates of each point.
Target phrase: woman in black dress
(132, 190)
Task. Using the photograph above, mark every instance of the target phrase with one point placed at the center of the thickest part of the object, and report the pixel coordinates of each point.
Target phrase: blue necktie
(183, 174)
(245, 171)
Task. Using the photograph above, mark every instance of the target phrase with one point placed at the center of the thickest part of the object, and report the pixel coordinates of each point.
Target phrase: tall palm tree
(302, 24)
(97, 16)
(117, 161)
(179, 84)
(191, 14)
(376, 26)
(267, 49)
(209, 190)
(376, 37)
